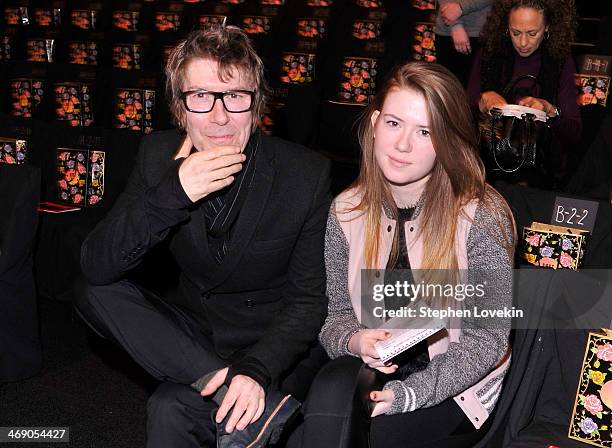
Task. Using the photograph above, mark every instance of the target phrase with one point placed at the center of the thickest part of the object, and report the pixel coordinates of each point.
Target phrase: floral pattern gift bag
(591, 419)
(551, 246)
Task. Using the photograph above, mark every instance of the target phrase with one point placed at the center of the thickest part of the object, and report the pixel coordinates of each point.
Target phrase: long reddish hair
(458, 174)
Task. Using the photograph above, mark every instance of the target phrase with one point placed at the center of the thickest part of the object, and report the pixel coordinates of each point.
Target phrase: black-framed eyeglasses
(203, 101)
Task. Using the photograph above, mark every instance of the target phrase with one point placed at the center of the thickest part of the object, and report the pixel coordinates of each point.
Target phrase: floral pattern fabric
(80, 176)
(256, 24)
(134, 109)
(127, 56)
(73, 104)
(167, 21)
(26, 96)
(311, 28)
(84, 19)
(592, 90)
(13, 151)
(40, 50)
(126, 20)
(424, 5)
(48, 17)
(208, 22)
(553, 246)
(590, 421)
(358, 81)
(424, 47)
(297, 68)
(83, 53)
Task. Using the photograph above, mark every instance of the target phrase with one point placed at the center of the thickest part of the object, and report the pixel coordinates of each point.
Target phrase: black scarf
(416, 358)
(222, 207)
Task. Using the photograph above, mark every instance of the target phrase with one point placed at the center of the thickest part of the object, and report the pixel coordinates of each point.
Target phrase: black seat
(20, 351)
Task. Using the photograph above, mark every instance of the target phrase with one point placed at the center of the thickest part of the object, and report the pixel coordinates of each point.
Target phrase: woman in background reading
(532, 37)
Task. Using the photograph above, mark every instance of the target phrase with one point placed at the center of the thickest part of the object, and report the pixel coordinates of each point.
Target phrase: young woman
(420, 202)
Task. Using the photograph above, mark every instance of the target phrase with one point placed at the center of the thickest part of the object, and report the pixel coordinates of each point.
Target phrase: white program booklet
(514, 110)
(407, 332)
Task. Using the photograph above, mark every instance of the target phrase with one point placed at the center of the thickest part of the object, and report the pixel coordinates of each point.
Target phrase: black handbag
(516, 137)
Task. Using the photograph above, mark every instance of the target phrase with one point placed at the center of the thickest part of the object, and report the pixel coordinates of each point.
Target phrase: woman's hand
(362, 345)
(383, 400)
(461, 40)
(539, 104)
(489, 100)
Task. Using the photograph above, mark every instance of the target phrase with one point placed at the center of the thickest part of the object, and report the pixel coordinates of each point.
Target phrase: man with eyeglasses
(244, 216)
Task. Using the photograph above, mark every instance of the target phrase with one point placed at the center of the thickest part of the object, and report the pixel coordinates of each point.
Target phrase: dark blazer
(266, 302)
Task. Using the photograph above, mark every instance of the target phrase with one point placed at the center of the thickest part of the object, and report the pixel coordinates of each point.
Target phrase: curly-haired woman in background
(530, 37)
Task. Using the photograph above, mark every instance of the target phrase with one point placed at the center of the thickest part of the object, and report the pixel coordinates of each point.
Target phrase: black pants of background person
(459, 64)
(335, 416)
(167, 342)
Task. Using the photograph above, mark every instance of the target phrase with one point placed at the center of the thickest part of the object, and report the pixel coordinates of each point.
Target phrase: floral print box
(13, 151)
(590, 421)
(553, 246)
(80, 176)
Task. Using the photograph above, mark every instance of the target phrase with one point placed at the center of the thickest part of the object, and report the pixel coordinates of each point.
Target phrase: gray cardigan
(459, 368)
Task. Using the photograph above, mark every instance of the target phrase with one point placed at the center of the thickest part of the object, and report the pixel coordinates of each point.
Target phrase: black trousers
(459, 64)
(336, 415)
(167, 342)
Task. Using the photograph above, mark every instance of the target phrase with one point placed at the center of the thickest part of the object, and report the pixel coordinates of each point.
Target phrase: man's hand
(489, 100)
(362, 344)
(245, 396)
(204, 172)
(450, 12)
(461, 40)
(383, 400)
